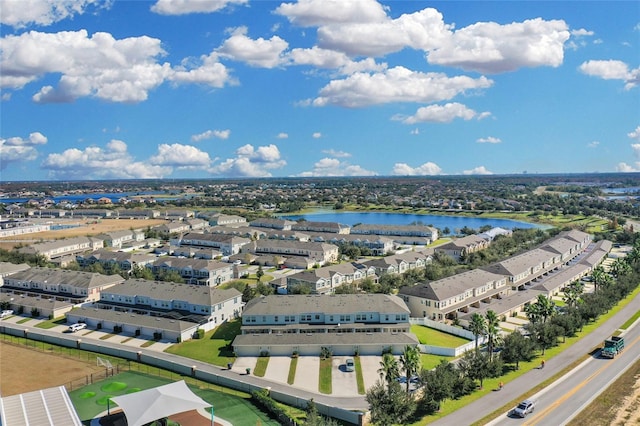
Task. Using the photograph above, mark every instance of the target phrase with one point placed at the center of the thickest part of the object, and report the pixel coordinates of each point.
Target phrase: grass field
(433, 337)
(214, 348)
(91, 400)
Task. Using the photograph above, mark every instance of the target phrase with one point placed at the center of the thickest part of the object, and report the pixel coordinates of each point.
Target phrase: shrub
(262, 399)
(295, 354)
(264, 353)
(199, 334)
(35, 312)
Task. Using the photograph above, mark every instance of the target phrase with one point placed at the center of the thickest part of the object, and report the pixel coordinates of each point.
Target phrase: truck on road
(612, 347)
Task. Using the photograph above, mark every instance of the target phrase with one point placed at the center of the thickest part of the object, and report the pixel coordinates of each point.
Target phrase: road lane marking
(540, 415)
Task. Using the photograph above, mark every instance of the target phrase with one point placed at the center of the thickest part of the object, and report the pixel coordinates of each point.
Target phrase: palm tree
(598, 275)
(410, 362)
(533, 312)
(493, 331)
(620, 267)
(546, 307)
(572, 293)
(477, 326)
(389, 369)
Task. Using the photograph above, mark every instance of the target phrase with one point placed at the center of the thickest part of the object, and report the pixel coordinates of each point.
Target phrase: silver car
(525, 407)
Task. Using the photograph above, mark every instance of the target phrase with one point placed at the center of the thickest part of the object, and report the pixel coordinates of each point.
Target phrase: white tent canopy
(148, 405)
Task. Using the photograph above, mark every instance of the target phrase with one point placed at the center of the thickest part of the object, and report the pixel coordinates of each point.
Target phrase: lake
(385, 218)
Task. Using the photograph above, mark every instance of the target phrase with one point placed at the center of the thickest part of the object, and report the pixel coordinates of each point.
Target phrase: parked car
(6, 313)
(525, 407)
(77, 326)
(350, 365)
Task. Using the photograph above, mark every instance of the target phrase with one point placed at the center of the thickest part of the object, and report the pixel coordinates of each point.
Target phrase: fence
(446, 328)
(132, 359)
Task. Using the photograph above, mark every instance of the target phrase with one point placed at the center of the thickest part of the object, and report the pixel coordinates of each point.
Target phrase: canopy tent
(148, 405)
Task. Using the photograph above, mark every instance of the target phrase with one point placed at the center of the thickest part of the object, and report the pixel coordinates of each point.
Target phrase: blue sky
(95, 89)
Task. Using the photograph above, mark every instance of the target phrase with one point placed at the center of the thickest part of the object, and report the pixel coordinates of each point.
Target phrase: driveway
(278, 369)
(308, 373)
(343, 382)
(370, 365)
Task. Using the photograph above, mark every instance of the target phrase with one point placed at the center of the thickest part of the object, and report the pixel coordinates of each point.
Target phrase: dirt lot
(88, 227)
(25, 370)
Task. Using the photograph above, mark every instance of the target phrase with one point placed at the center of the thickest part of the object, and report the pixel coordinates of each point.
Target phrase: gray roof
(300, 339)
(7, 268)
(454, 285)
(302, 245)
(133, 319)
(500, 306)
(520, 263)
(199, 264)
(118, 256)
(220, 238)
(34, 302)
(161, 290)
(328, 304)
(78, 279)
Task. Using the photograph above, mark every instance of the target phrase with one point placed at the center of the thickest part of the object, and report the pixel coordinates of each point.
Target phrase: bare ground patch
(25, 370)
(87, 227)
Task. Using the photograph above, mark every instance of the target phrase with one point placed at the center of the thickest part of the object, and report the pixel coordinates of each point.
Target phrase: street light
(212, 415)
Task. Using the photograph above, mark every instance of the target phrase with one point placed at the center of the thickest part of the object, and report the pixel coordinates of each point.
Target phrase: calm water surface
(385, 218)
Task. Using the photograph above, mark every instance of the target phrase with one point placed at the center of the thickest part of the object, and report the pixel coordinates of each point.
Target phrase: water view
(441, 222)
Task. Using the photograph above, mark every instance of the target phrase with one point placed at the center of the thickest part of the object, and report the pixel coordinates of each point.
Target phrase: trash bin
(248, 371)
(229, 366)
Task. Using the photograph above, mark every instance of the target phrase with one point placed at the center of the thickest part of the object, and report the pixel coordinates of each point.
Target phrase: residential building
(60, 248)
(74, 286)
(227, 220)
(461, 247)
(397, 230)
(326, 279)
(346, 324)
(117, 239)
(195, 271)
(266, 222)
(379, 245)
(126, 261)
(321, 253)
(227, 244)
(330, 227)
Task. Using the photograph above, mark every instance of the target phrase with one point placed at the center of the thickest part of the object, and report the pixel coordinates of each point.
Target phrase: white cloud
(422, 30)
(442, 114)
(18, 149)
(397, 84)
(20, 13)
(593, 144)
(480, 170)
(113, 161)
(612, 70)
(100, 66)
(336, 154)
(282, 135)
(493, 48)
(183, 7)
(322, 12)
(628, 168)
(178, 155)
(205, 71)
(251, 162)
(635, 134)
(316, 135)
(330, 59)
(258, 53)
(427, 169)
(209, 134)
(581, 33)
(335, 167)
(489, 139)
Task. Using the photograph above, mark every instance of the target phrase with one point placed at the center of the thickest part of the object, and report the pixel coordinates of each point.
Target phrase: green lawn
(433, 337)
(429, 361)
(91, 400)
(214, 348)
(292, 370)
(51, 323)
(359, 377)
(261, 366)
(325, 385)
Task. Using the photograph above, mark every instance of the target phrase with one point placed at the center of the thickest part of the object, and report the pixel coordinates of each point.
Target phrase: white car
(6, 313)
(525, 407)
(77, 326)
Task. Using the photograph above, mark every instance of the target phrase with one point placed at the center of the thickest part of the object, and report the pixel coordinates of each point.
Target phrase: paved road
(514, 389)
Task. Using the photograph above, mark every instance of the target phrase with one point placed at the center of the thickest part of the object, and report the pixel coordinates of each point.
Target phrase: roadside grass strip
(51, 323)
(359, 376)
(292, 370)
(630, 321)
(325, 385)
(261, 366)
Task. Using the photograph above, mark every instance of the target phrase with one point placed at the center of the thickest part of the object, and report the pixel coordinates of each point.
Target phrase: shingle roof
(331, 304)
(161, 290)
